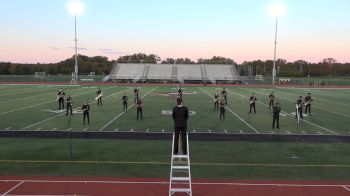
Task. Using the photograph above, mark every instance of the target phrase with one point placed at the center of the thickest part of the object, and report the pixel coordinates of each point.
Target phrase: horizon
(38, 31)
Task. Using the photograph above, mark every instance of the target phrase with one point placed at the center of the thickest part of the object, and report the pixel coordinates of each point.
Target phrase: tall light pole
(75, 7)
(276, 10)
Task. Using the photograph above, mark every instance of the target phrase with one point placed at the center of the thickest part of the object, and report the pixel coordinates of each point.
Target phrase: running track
(16, 185)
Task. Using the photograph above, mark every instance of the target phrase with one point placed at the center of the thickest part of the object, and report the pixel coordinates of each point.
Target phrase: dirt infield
(21, 185)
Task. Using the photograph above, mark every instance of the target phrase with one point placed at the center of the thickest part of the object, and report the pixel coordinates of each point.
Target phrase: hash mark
(8, 128)
(116, 129)
(241, 131)
(131, 130)
(85, 129)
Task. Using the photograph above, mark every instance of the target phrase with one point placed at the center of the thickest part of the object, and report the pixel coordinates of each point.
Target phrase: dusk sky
(43, 31)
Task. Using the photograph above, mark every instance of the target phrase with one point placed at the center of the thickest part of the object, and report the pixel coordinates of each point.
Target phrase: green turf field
(34, 107)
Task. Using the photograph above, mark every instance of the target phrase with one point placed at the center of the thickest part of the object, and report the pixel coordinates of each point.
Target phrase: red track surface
(17, 185)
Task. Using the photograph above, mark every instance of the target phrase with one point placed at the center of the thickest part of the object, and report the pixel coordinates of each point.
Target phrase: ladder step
(180, 178)
(183, 190)
(180, 156)
(181, 167)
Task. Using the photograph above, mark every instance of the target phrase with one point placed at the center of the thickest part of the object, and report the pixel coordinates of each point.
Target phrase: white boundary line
(166, 182)
(120, 114)
(241, 119)
(345, 187)
(32, 106)
(337, 113)
(64, 113)
(13, 188)
(289, 114)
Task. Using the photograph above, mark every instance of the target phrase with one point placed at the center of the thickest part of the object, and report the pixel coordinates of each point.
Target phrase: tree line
(101, 65)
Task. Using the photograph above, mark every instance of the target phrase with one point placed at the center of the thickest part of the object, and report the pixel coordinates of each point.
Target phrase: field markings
(85, 129)
(241, 119)
(241, 131)
(54, 129)
(168, 163)
(346, 188)
(13, 188)
(326, 129)
(337, 113)
(116, 129)
(63, 113)
(7, 128)
(132, 130)
(32, 106)
(225, 131)
(120, 114)
(147, 130)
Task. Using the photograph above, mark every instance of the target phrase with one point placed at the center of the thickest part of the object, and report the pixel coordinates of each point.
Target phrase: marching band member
(224, 94)
(179, 93)
(308, 99)
(60, 98)
(136, 94)
(252, 99)
(216, 101)
(276, 115)
(99, 94)
(69, 105)
(299, 107)
(125, 102)
(139, 108)
(272, 99)
(86, 109)
(222, 109)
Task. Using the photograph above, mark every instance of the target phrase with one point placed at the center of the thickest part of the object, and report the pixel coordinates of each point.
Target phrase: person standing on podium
(180, 116)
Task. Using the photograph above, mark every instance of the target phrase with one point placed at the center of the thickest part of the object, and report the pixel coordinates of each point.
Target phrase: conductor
(180, 116)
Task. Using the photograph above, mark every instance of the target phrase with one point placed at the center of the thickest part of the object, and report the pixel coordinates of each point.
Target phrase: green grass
(23, 108)
(223, 160)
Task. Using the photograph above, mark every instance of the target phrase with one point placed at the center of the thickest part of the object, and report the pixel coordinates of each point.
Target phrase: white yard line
(326, 129)
(13, 188)
(32, 106)
(147, 130)
(7, 128)
(345, 186)
(85, 129)
(288, 132)
(54, 129)
(241, 119)
(132, 130)
(241, 131)
(225, 131)
(120, 114)
(63, 113)
(209, 131)
(116, 129)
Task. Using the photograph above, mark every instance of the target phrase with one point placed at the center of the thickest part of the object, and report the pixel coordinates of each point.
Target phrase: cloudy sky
(43, 30)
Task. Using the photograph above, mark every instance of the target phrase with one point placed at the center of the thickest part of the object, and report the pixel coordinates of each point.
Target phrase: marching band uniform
(180, 116)
(179, 93)
(276, 115)
(224, 95)
(69, 105)
(308, 99)
(272, 99)
(60, 96)
(299, 107)
(252, 103)
(222, 109)
(136, 95)
(125, 102)
(86, 109)
(99, 100)
(139, 108)
(216, 102)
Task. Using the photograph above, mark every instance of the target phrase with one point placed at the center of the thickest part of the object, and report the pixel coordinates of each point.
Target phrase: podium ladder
(180, 172)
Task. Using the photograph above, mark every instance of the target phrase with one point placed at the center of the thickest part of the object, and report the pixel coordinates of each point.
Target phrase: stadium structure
(174, 73)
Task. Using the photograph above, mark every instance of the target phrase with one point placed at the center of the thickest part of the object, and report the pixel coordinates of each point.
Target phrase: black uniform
(139, 109)
(61, 95)
(180, 116)
(99, 100)
(179, 93)
(222, 109)
(125, 103)
(272, 99)
(86, 109)
(252, 104)
(136, 94)
(299, 108)
(216, 102)
(69, 105)
(276, 116)
(308, 99)
(224, 95)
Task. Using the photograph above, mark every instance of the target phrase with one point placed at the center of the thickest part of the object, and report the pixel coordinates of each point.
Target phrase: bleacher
(182, 73)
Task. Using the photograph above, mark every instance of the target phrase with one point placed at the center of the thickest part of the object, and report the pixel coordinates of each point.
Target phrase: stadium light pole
(276, 10)
(76, 8)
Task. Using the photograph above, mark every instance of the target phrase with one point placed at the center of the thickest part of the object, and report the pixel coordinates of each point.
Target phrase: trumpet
(99, 96)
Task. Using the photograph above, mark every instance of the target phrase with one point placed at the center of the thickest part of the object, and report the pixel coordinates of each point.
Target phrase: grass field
(34, 107)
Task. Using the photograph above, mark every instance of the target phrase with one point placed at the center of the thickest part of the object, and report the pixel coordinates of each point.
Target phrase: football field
(34, 107)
